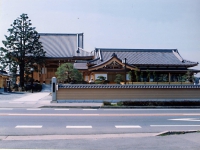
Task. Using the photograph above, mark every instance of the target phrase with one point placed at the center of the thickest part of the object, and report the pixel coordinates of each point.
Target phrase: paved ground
(101, 142)
(35, 100)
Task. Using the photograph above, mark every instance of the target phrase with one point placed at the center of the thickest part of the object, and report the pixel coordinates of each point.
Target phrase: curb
(91, 107)
(176, 132)
(128, 107)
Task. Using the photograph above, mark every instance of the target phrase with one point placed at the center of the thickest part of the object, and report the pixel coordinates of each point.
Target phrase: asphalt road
(91, 129)
(36, 121)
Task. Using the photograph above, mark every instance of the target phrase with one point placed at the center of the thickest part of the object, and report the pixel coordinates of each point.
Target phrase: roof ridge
(136, 50)
(59, 33)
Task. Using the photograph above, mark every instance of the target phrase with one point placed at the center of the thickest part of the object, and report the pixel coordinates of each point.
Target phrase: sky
(134, 24)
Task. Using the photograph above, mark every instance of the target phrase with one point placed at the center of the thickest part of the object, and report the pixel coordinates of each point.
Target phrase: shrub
(106, 82)
(160, 103)
(98, 82)
(106, 103)
(119, 103)
(118, 78)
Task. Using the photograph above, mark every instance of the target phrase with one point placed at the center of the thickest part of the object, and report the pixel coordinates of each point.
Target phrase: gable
(114, 63)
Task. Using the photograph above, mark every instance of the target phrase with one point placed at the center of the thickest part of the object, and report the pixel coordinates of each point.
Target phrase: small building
(4, 77)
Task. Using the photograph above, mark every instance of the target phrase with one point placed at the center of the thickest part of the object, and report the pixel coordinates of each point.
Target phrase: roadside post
(54, 89)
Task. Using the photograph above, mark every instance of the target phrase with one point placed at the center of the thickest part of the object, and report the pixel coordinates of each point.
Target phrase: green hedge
(161, 103)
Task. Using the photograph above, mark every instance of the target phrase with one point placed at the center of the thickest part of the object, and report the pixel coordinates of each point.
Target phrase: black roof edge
(81, 61)
(93, 60)
(168, 65)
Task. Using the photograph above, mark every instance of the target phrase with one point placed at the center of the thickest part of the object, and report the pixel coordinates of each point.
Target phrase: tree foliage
(22, 48)
(118, 79)
(101, 80)
(130, 76)
(136, 75)
(163, 78)
(67, 73)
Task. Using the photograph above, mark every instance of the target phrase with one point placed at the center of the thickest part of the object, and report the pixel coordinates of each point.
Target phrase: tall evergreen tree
(22, 48)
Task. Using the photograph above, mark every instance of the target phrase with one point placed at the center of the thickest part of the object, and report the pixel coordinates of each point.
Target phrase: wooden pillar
(169, 77)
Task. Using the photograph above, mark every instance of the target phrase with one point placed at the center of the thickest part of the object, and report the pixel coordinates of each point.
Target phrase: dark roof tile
(165, 57)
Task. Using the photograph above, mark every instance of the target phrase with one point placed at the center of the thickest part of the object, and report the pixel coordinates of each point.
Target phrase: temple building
(150, 65)
(135, 65)
(60, 48)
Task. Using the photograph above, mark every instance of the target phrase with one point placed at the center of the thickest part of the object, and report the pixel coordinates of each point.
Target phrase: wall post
(54, 89)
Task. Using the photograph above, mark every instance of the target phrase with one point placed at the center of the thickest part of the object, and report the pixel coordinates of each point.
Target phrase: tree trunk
(21, 67)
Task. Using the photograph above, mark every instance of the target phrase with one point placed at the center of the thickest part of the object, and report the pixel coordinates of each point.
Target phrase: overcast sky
(145, 24)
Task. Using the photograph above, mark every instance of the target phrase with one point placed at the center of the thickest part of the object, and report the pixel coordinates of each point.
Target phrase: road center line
(50, 114)
(27, 126)
(78, 127)
(175, 125)
(108, 115)
(122, 127)
(191, 114)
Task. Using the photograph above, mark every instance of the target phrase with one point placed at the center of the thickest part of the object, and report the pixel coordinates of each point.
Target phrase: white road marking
(89, 109)
(79, 127)
(27, 126)
(120, 127)
(186, 119)
(6, 108)
(33, 109)
(61, 109)
(175, 125)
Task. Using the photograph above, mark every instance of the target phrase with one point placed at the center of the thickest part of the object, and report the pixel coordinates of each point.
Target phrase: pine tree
(67, 73)
(22, 48)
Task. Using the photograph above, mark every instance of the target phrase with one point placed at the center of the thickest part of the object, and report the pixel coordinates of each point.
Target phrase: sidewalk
(36, 100)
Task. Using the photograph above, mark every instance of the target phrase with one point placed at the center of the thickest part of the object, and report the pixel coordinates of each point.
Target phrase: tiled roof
(164, 57)
(63, 45)
(127, 86)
